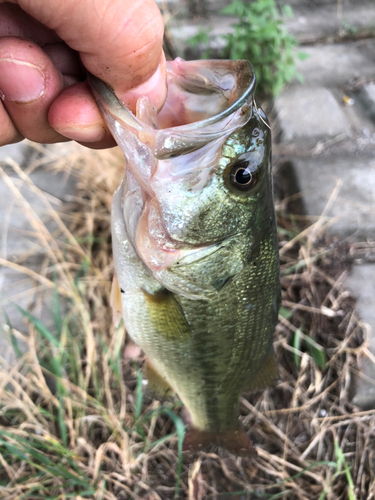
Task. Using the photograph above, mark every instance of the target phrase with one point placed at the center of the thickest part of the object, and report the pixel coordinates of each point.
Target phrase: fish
(195, 242)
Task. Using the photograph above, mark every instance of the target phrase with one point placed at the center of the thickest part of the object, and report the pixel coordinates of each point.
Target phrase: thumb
(119, 41)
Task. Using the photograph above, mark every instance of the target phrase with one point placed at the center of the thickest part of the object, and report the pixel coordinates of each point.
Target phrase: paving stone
(318, 4)
(361, 283)
(216, 27)
(336, 65)
(353, 210)
(15, 228)
(181, 9)
(307, 115)
(19, 244)
(367, 97)
(20, 152)
(311, 21)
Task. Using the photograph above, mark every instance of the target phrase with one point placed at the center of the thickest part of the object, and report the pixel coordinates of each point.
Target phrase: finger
(14, 22)
(130, 32)
(41, 113)
(8, 132)
(66, 60)
(29, 83)
(75, 114)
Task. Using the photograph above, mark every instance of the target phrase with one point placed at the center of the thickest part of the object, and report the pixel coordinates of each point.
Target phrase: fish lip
(104, 94)
(131, 132)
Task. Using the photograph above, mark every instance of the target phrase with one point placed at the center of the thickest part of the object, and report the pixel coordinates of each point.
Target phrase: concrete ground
(327, 151)
(325, 133)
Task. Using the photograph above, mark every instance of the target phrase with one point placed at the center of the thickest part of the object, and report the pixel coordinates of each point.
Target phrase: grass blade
(138, 396)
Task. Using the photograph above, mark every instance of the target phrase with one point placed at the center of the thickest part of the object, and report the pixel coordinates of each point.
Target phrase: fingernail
(94, 133)
(20, 81)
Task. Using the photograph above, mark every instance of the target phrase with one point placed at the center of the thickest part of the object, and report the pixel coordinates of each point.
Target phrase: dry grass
(74, 422)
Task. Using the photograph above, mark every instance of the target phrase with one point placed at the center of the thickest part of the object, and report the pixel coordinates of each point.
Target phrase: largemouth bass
(194, 241)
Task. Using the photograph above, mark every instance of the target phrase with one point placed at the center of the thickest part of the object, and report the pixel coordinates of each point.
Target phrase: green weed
(201, 39)
(315, 350)
(342, 467)
(261, 37)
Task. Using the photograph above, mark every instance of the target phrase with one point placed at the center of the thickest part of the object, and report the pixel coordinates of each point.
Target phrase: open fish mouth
(201, 95)
(174, 155)
(202, 99)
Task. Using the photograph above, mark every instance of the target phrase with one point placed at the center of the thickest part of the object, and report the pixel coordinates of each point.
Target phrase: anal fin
(266, 377)
(156, 383)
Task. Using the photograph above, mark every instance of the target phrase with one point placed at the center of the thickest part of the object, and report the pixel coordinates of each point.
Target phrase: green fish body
(194, 238)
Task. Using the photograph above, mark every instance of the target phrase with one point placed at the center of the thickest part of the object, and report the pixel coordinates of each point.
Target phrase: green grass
(39, 435)
(341, 468)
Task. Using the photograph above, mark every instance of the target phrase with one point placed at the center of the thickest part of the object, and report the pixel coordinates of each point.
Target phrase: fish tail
(233, 440)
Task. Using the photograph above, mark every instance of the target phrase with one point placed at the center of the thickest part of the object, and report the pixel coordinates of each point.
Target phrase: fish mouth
(213, 99)
(207, 94)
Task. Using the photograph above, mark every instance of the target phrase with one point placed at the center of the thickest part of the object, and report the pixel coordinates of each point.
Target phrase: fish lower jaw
(157, 258)
(152, 244)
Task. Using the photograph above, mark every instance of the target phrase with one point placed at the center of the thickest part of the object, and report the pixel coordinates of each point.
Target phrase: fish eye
(244, 174)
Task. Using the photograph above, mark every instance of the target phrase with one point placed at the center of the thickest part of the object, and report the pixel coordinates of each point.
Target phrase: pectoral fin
(266, 376)
(166, 315)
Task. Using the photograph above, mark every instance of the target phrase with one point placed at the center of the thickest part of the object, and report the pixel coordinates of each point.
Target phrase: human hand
(43, 59)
